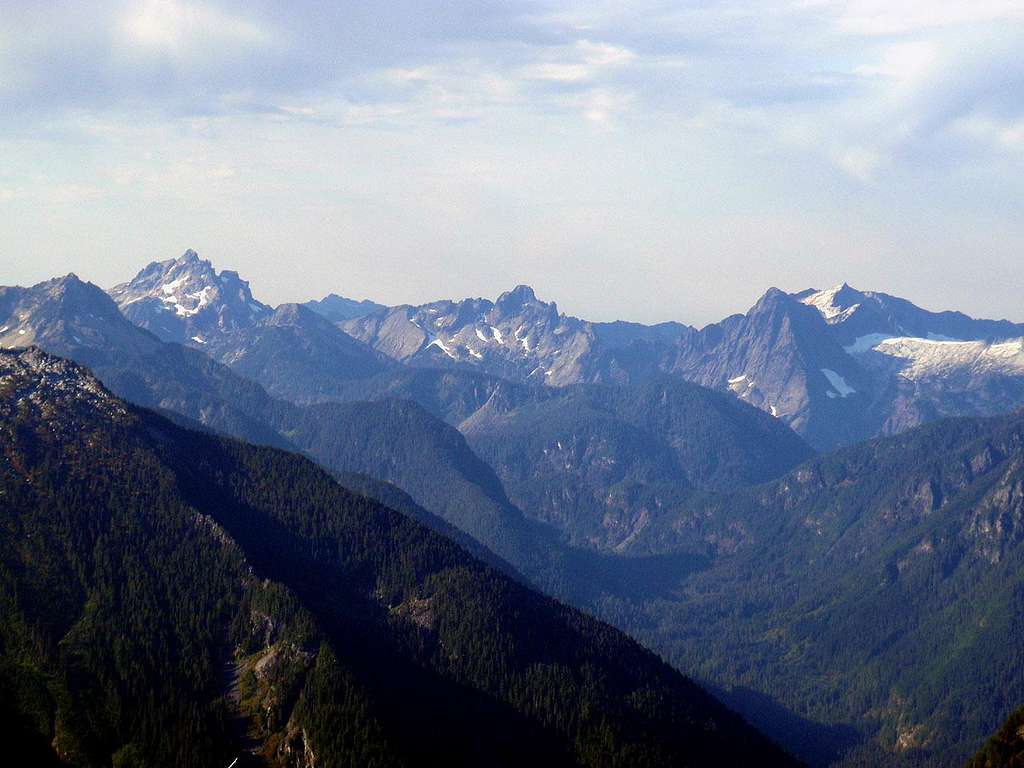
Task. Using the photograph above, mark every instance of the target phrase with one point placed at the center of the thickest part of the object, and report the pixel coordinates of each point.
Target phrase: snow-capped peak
(170, 297)
(835, 304)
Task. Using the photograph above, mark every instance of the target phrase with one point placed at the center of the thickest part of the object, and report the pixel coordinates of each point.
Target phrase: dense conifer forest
(172, 596)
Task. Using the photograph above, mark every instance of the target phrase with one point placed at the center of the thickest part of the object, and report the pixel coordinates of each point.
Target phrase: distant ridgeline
(837, 365)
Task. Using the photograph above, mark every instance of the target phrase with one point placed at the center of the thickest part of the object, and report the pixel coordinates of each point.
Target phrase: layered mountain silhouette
(858, 605)
(837, 365)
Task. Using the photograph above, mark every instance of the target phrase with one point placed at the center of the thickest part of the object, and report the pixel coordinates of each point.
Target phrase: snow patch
(842, 389)
(198, 340)
(480, 335)
(741, 386)
(171, 287)
(824, 302)
(927, 358)
(1007, 348)
(524, 340)
(497, 335)
(201, 298)
(863, 344)
(440, 345)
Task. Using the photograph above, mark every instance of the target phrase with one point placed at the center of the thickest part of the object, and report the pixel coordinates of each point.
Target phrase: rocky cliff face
(292, 351)
(517, 337)
(837, 365)
(185, 300)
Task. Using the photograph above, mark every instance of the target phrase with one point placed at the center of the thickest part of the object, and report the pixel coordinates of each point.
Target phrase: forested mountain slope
(167, 592)
(1006, 747)
(860, 606)
(598, 461)
(880, 588)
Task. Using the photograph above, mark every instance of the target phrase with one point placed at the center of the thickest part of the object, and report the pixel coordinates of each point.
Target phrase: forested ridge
(160, 587)
(878, 591)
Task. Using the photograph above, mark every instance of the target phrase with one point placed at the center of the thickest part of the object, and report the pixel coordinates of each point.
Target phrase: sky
(647, 161)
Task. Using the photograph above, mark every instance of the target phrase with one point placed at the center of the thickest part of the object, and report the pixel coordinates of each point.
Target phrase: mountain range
(292, 351)
(778, 504)
(838, 366)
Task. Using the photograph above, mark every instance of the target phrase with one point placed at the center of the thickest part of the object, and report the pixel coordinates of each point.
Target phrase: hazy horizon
(645, 162)
(539, 291)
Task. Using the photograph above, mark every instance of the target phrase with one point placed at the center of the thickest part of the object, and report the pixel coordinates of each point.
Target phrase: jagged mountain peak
(190, 268)
(187, 298)
(292, 351)
(522, 299)
(72, 286)
(521, 294)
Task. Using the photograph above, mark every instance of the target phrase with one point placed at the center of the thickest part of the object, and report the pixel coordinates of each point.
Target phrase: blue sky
(640, 160)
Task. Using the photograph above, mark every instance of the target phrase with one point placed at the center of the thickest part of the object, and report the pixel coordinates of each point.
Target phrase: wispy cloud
(182, 28)
(462, 124)
(577, 63)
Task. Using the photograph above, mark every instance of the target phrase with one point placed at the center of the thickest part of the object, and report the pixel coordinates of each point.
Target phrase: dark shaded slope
(399, 442)
(135, 551)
